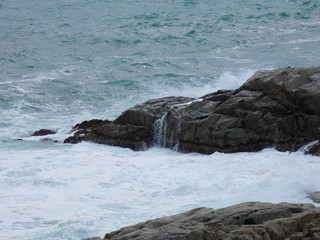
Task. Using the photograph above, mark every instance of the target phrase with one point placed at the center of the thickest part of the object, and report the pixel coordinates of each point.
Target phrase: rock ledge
(249, 220)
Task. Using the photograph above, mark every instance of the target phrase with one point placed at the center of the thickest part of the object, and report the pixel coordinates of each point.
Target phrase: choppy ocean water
(62, 62)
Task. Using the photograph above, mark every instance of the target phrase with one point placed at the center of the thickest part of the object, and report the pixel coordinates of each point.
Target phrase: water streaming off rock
(160, 131)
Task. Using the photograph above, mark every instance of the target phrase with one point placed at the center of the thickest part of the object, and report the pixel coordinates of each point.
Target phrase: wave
(206, 84)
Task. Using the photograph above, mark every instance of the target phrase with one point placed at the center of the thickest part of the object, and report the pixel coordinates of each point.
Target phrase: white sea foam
(51, 191)
(187, 103)
(295, 41)
(227, 81)
(48, 76)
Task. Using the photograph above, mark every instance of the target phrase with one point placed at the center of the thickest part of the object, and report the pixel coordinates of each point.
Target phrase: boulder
(250, 220)
(274, 108)
(43, 132)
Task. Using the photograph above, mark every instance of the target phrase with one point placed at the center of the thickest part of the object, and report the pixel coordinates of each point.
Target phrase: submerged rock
(274, 108)
(250, 220)
(49, 140)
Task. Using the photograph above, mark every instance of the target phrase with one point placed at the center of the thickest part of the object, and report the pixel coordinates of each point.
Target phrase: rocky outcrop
(251, 220)
(274, 108)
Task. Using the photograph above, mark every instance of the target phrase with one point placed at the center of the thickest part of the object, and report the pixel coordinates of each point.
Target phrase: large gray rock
(274, 108)
(251, 220)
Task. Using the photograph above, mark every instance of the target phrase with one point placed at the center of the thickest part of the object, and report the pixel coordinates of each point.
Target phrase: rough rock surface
(246, 221)
(274, 108)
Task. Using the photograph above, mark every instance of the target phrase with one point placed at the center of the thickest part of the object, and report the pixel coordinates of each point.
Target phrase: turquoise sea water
(65, 61)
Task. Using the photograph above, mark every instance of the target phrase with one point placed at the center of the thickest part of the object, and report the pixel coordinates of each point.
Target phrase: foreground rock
(251, 220)
(275, 108)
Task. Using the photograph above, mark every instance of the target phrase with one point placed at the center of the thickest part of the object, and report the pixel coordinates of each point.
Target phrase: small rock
(43, 132)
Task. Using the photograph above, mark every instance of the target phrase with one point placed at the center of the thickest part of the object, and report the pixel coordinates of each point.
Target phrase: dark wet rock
(274, 108)
(49, 140)
(114, 134)
(314, 149)
(91, 124)
(314, 196)
(250, 220)
(43, 132)
(132, 129)
(84, 128)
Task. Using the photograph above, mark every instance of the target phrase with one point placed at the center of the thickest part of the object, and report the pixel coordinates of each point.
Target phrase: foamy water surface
(55, 191)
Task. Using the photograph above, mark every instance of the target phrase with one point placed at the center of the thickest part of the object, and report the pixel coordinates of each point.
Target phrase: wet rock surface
(274, 108)
(43, 132)
(314, 196)
(314, 149)
(250, 220)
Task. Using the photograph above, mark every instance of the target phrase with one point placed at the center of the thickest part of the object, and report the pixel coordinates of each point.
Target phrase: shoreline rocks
(274, 108)
(249, 220)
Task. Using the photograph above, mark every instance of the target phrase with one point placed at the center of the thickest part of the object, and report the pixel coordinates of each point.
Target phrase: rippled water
(62, 62)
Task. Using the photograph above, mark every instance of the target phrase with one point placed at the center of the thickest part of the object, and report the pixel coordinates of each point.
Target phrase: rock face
(274, 108)
(247, 221)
